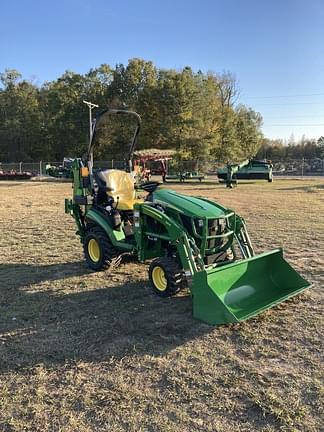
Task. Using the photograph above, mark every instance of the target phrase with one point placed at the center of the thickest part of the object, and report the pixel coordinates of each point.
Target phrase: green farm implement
(250, 169)
(60, 171)
(185, 176)
(191, 242)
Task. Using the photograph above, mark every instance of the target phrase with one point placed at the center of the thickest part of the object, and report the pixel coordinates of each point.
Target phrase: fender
(116, 237)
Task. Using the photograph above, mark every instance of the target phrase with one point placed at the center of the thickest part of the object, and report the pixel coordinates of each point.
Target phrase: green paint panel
(192, 206)
(243, 289)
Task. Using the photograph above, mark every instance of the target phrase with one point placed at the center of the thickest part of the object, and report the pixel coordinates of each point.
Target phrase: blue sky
(274, 48)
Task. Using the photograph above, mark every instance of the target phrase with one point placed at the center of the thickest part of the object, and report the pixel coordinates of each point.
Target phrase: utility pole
(90, 106)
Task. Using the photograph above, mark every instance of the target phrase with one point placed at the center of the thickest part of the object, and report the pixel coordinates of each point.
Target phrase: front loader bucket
(237, 291)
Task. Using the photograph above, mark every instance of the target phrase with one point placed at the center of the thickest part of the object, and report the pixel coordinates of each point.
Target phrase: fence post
(20, 167)
(40, 168)
(112, 163)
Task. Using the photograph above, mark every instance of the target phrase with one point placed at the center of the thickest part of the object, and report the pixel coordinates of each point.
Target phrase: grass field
(83, 351)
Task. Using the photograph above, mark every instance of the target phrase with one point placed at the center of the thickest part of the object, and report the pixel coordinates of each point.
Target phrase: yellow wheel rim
(94, 250)
(159, 279)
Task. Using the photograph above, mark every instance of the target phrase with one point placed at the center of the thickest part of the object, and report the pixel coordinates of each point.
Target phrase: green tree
(248, 131)
(20, 118)
(320, 143)
(193, 113)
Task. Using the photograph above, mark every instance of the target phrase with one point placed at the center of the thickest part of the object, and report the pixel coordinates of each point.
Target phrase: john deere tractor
(190, 242)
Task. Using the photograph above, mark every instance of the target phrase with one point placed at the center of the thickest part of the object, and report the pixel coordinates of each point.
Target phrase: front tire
(99, 253)
(166, 276)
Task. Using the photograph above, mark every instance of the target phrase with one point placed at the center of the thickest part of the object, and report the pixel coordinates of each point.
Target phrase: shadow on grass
(7, 185)
(308, 188)
(190, 182)
(113, 321)
(19, 275)
(223, 185)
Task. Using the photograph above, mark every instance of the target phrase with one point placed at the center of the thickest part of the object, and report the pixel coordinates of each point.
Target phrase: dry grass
(82, 351)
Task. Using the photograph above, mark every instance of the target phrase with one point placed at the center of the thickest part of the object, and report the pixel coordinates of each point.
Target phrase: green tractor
(191, 242)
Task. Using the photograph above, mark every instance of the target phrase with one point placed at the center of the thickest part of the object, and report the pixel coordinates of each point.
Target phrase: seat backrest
(119, 184)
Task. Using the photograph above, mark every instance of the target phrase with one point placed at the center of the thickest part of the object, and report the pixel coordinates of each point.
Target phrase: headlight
(200, 223)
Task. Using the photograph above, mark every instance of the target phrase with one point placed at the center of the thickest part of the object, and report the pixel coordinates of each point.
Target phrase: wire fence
(291, 167)
(35, 168)
(299, 167)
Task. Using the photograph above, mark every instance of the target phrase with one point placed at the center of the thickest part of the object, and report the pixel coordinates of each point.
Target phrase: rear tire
(166, 276)
(99, 253)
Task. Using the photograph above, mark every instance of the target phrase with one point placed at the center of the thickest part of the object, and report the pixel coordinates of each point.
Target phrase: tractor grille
(215, 227)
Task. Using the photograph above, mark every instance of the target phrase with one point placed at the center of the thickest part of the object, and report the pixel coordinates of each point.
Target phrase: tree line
(279, 150)
(197, 114)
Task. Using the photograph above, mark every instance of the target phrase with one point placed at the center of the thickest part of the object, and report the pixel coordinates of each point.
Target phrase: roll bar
(96, 122)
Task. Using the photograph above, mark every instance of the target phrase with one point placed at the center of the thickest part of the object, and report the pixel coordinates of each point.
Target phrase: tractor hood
(191, 206)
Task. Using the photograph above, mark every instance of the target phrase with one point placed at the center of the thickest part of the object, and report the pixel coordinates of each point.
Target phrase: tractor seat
(120, 184)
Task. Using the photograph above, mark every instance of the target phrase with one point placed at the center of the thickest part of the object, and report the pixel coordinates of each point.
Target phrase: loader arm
(145, 215)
